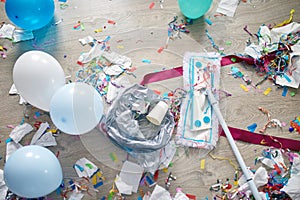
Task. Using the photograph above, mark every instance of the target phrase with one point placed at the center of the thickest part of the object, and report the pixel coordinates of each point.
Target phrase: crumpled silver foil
(128, 127)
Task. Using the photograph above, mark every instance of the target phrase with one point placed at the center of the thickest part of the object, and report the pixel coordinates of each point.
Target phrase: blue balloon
(32, 172)
(30, 14)
(76, 108)
(194, 9)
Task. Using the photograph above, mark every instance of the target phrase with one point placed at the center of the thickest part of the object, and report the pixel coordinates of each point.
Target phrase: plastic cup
(157, 114)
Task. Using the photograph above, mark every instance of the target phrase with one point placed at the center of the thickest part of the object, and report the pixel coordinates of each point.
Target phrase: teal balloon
(76, 108)
(32, 171)
(30, 14)
(194, 9)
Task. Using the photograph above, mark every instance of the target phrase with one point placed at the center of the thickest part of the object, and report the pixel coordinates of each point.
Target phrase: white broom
(236, 151)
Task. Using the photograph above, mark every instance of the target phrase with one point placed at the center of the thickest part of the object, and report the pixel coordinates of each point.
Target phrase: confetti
(208, 21)
(146, 61)
(151, 5)
(202, 164)
(244, 88)
(267, 91)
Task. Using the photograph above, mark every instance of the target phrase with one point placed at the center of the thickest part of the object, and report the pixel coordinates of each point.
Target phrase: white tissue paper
(131, 174)
(160, 193)
(227, 7)
(20, 131)
(292, 187)
(3, 187)
(123, 187)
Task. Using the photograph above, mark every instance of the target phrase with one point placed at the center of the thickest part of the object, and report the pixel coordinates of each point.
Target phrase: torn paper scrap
(260, 177)
(116, 86)
(292, 187)
(43, 127)
(117, 59)
(85, 168)
(76, 195)
(46, 140)
(11, 147)
(3, 187)
(13, 90)
(180, 196)
(87, 40)
(160, 193)
(96, 51)
(131, 174)
(7, 31)
(227, 7)
(123, 187)
(20, 131)
(22, 35)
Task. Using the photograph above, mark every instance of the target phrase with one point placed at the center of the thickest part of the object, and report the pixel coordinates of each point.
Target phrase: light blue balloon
(30, 14)
(32, 171)
(194, 9)
(76, 108)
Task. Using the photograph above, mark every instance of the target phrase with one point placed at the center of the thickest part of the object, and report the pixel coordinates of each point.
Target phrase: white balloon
(37, 76)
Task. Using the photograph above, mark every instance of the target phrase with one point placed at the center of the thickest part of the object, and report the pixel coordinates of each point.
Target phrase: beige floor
(142, 32)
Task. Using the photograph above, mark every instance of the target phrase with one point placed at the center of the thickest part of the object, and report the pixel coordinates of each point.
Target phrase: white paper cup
(157, 114)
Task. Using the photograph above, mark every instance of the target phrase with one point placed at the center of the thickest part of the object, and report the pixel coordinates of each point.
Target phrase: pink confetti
(151, 5)
(160, 49)
(10, 126)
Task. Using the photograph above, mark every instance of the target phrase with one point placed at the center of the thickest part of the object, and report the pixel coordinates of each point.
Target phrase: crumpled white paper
(43, 138)
(13, 90)
(275, 158)
(86, 40)
(260, 178)
(180, 196)
(3, 187)
(7, 31)
(160, 193)
(227, 7)
(292, 187)
(46, 140)
(95, 51)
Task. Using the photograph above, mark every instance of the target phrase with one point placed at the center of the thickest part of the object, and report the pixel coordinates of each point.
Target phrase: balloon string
(224, 158)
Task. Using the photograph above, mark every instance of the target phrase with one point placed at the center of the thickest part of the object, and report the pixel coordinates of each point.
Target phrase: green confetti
(292, 94)
(89, 165)
(113, 157)
(233, 59)
(228, 43)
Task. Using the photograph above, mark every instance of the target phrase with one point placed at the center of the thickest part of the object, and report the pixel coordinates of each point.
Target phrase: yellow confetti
(94, 179)
(236, 183)
(1, 48)
(267, 91)
(202, 164)
(165, 169)
(120, 47)
(98, 30)
(244, 88)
